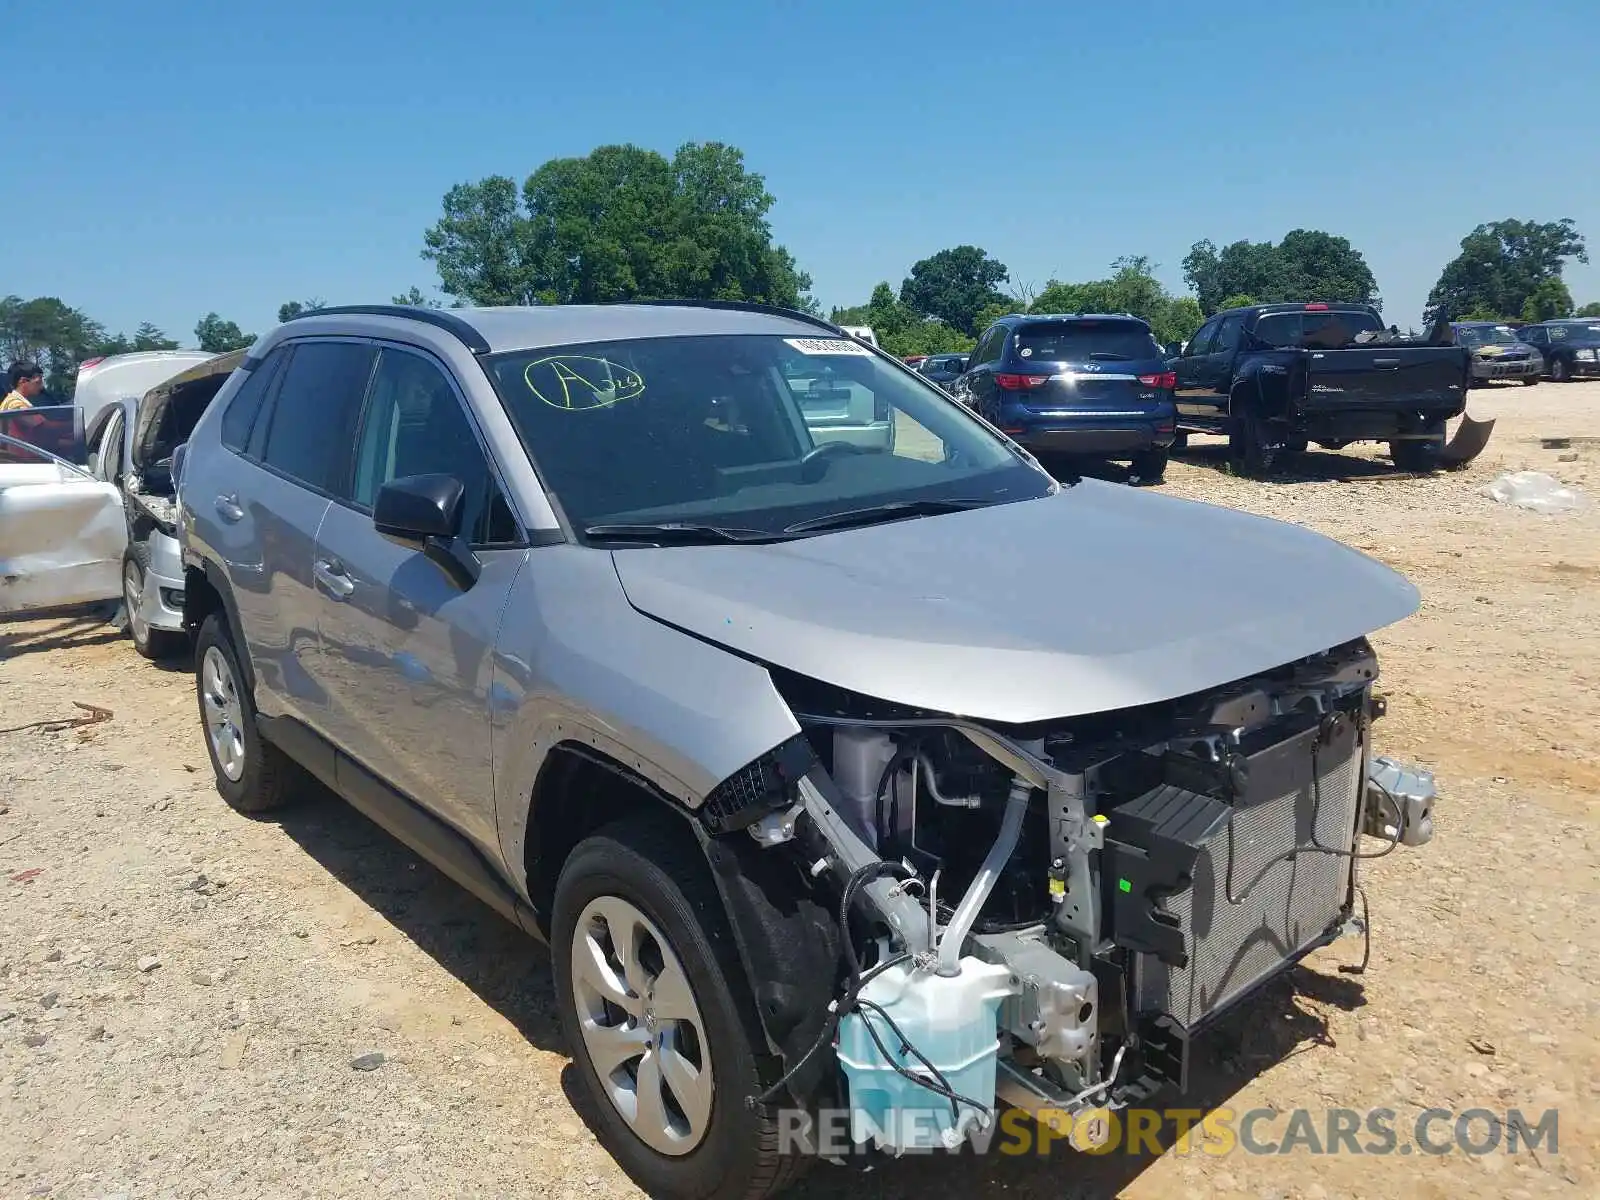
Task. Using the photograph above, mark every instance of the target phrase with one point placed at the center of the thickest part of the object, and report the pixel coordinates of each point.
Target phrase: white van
(861, 333)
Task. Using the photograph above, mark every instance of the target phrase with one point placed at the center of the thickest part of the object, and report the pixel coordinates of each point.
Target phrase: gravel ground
(197, 1004)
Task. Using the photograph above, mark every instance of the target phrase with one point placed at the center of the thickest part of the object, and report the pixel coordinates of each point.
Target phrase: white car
(128, 376)
(87, 508)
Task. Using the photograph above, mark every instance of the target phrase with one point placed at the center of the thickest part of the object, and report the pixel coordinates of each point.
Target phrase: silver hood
(1097, 598)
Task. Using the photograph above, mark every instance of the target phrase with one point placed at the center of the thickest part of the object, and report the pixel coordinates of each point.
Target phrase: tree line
(624, 223)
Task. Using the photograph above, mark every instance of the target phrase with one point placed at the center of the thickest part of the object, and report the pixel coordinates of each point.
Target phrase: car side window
(414, 424)
(1228, 334)
(1555, 332)
(109, 468)
(239, 418)
(989, 346)
(313, 417)
(1200, 343)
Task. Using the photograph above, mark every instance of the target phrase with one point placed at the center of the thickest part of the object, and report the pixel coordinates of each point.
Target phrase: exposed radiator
(1285, 905)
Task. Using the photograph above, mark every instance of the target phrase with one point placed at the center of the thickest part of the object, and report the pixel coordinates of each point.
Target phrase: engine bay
(1044, 917)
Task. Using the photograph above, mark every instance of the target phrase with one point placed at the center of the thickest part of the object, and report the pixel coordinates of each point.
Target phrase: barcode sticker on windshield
(827, 346)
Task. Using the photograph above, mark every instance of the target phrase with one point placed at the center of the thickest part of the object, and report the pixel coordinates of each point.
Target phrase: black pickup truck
(1276, 377)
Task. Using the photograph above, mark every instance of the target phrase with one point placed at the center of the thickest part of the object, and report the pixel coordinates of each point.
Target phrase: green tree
(621, 223)
(1132, 288)
(1549, 300)
(1589, 310)
(217, 336)
(299, 308)
(955, 286)
(1238, 300)
(1307, 265)
(1502, 265)
(148, 337)
(414, 299)
(51, 333)
(899, 330)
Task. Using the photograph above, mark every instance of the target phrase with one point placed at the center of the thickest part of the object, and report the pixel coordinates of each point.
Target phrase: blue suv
(1090, 384)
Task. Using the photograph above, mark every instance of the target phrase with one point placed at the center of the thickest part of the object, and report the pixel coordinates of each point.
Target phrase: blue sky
(184, 157)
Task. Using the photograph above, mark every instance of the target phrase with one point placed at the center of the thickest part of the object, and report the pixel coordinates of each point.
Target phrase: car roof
(501, 329)
(1028, 318)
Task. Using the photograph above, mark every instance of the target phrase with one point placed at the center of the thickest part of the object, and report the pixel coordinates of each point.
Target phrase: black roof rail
(773, 310)
(439, 318)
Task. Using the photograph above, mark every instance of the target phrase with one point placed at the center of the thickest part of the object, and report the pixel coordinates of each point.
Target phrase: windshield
(749, 432)
(1079, 341)
(1574, 333)
(1485, 335)
(1318, 330)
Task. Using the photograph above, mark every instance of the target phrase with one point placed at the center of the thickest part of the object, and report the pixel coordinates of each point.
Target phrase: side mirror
(179, 455)
(424, 511)
(1174, 349)
(419, 507)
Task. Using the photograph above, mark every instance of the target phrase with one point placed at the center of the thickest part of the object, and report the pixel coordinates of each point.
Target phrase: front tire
(1560, 372)
(650, 992)
(154, 644)
(1529, 380)
(253, 776)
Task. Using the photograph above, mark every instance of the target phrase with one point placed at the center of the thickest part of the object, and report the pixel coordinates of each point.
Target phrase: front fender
(576, 663)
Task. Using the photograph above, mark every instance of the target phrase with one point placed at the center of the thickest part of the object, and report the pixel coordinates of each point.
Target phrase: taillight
(90, 362)
(1166, 379)
(1019, 383)
(1316, 307)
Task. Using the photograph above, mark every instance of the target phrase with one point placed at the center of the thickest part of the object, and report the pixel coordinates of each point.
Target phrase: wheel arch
(206, 590)
(786, 940)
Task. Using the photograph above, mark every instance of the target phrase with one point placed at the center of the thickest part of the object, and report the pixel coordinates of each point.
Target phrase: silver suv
(876, 779)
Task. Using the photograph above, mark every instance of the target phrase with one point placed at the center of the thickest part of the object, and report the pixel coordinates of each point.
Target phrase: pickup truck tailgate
(1388, 377)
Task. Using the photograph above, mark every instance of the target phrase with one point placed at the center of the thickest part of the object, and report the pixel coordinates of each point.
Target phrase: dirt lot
(184, 992)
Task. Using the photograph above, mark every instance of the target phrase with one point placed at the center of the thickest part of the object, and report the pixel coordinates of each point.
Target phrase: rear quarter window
(240, 416)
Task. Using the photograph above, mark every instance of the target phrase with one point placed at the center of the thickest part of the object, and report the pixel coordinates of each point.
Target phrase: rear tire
(1529, 380)
(154, 644)
(1560, 372)
(1180, 442)
(253, 776)
(1419, 456)
(1249, 452)
(1147, 467)
(648, 877)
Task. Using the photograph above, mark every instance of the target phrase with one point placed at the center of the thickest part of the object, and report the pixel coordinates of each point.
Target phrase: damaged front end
(1045, 916)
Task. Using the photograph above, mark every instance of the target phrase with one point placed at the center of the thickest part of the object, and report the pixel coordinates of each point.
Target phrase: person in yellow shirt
(27, 381)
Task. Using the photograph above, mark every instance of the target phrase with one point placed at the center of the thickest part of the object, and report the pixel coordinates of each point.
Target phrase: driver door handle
(330, 573)
(227, 506)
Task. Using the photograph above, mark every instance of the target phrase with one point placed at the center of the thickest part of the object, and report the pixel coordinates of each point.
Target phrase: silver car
(1499, 353)
(873, 780)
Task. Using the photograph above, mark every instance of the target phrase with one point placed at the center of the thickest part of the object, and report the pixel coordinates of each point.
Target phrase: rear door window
(1078, 341)
(312, 423)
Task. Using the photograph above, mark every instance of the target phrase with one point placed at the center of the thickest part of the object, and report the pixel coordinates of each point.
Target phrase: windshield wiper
(677, 533)
(1112, 355)
(894, 510)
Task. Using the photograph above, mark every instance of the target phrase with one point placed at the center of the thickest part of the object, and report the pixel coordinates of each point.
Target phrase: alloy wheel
(224, 713)
(641, 1026)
